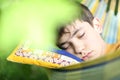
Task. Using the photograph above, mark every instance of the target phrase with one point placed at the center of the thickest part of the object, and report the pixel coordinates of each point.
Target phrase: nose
(78, 46)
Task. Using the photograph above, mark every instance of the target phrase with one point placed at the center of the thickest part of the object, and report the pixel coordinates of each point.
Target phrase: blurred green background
(36, 20)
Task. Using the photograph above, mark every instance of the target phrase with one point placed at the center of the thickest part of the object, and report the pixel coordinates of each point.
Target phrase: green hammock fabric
(107, 67)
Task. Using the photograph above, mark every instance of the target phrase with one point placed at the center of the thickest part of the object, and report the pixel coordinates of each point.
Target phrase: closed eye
(82, 35)
(64, 45)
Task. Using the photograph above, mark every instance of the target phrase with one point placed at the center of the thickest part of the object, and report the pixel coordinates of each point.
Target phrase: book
(51, 59)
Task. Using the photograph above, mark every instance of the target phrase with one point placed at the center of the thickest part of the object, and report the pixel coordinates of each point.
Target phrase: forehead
(76, 25)
(69, 30)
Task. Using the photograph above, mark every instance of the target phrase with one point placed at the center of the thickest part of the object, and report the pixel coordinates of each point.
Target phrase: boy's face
(83, 40)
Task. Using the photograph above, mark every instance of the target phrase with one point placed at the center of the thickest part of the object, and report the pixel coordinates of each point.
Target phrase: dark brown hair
(84, 15)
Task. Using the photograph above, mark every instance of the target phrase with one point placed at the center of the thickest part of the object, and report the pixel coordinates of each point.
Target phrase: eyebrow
(72, 36)
(75, 32)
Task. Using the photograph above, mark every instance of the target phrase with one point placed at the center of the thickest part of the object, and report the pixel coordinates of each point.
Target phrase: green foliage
(16, 71)
(35, 19)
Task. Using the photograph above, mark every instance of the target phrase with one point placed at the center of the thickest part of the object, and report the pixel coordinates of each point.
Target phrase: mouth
(87, 55)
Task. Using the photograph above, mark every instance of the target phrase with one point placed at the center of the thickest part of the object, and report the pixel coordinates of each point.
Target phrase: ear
(97, 25)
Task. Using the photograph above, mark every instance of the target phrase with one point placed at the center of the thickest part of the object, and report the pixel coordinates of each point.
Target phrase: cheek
(92, 42)
(70, 50)
(95, 46)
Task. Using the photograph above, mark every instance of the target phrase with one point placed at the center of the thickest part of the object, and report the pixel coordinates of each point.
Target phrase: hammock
(107, 67)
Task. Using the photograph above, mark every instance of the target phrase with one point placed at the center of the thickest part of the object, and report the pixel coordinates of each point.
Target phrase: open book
(50, 59)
